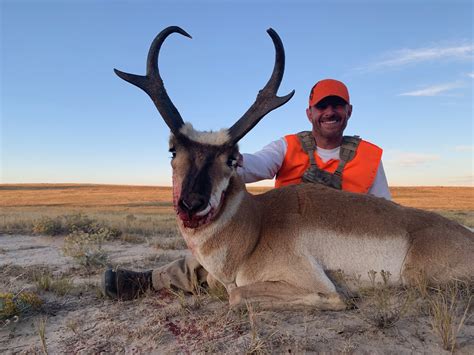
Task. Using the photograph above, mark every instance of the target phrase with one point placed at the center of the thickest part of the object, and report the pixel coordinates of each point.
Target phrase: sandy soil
(161, 322)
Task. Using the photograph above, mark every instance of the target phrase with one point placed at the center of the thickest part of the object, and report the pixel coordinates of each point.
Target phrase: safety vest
(355, 173)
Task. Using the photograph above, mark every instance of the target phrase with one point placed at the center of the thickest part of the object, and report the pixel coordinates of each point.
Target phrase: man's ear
(349, 111)
(308, 114)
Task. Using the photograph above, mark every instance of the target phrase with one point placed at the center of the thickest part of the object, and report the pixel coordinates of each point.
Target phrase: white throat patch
(211, 138)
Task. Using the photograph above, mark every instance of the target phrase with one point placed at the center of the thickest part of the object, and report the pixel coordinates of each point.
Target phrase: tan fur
(212, 138)
(277, 248)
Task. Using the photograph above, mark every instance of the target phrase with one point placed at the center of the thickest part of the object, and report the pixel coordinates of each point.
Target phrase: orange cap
(328, 87)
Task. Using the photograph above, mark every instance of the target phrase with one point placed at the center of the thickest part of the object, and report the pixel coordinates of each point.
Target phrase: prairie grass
(41, 328)
(148, 210)
(382, 304)
(51, 221)
(449, 305)
(257, 344)
(60, 285)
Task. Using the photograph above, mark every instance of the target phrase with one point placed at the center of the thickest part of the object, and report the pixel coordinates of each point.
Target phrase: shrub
(72, 224)
(58, 285)
(12, 305)
(86, 248)
(48, 226)
(82, 223)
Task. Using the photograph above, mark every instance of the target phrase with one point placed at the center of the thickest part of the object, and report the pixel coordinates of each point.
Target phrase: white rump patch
(212, 138)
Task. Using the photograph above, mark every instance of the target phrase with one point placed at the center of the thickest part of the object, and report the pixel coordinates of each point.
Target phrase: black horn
(266, 100)
(152, 83)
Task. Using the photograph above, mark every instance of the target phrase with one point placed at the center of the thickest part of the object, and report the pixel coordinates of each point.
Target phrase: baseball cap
(328, 87)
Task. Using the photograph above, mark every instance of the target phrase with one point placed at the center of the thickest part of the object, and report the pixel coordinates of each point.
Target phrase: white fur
(211, 138)
(216, 195)
(195, 238)
(374, 253)
(202, 234)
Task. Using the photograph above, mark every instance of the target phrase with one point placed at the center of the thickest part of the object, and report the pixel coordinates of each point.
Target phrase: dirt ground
(162, 322)
(82, 321)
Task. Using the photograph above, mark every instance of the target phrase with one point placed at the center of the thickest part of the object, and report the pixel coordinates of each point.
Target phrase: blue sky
(66, 117)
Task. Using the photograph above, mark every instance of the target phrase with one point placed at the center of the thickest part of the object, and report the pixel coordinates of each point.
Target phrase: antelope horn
(266, 100)
(152, 84)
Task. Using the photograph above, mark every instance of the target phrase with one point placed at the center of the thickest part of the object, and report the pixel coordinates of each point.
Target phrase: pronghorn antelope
(277, 248)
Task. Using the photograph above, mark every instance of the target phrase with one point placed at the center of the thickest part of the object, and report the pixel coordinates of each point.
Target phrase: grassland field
(22, 204)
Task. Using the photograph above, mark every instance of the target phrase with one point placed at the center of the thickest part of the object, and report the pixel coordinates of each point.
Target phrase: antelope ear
(240, 160)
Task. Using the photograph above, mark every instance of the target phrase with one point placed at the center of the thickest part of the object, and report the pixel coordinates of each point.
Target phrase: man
(322, 156)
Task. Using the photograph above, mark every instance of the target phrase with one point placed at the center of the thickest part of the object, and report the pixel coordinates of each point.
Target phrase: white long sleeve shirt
(266, 163)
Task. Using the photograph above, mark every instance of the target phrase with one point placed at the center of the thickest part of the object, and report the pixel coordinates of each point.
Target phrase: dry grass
(449, 305)
(140, 211)
(60, 285)
(159, 199)
(109, 197)
(435, 198)
(382, 304)
(41, 328)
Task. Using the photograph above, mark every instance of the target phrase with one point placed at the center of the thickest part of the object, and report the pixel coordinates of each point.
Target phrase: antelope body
(277, 248)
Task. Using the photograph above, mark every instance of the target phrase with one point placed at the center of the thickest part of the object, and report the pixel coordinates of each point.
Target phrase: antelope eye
(173, 153)
(232, 162)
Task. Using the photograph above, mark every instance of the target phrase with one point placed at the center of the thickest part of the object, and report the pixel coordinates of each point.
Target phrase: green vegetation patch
(12, 305)
(60, 285)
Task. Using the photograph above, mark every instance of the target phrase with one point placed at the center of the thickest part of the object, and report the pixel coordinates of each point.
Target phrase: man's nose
(328, 111)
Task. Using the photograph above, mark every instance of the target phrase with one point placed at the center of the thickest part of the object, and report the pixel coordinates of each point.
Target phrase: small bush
(48, 226)
(12, 305)
(78, 222)
(86, 248)
(73, 223)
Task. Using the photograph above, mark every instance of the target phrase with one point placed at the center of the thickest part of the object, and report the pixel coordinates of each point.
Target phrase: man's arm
(380, 186)
(263, 164)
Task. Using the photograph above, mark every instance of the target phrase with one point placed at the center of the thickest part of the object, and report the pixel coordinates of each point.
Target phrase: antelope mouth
(203, 217)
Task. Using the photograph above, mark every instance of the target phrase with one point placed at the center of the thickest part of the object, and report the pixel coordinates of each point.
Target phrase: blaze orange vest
(358, 174)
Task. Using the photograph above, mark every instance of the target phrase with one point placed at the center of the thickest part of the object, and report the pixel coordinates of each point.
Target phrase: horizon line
(251, 185)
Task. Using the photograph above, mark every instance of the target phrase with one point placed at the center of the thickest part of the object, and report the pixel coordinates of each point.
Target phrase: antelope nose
(192, 205)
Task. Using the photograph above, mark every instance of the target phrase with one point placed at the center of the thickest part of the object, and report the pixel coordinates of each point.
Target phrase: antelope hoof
(235, 298)
(336, 303)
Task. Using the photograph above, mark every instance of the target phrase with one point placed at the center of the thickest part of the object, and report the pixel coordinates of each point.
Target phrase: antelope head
(205, 163)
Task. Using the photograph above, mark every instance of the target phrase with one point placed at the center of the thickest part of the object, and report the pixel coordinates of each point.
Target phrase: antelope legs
(275, 294)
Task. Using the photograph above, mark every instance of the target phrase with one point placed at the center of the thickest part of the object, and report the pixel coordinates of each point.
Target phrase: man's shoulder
(358, 140)
(370, 144)
(297, 134)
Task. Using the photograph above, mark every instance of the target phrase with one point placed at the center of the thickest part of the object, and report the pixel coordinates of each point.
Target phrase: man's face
(329, 117)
